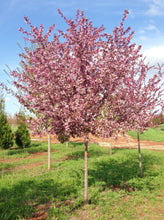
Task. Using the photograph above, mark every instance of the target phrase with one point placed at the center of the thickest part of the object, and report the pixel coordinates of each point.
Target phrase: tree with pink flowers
(145, 94)
(136, 102)
(68, 78)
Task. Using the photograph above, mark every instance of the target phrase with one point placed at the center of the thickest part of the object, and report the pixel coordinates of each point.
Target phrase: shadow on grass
(92, 152)
(35, 147)
(117, 172)
(75, 144)
(33, 144)
(21, 200)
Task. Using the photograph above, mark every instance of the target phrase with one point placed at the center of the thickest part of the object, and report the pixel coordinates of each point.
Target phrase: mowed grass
(28, 189)
(151, 134)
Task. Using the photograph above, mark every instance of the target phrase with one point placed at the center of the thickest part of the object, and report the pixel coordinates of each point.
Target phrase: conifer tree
(6, 135)
(22, 133)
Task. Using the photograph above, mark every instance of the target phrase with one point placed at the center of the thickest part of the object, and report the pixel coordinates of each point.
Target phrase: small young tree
(22, 138)
(6, 135)
(40, 124)
(141, 98)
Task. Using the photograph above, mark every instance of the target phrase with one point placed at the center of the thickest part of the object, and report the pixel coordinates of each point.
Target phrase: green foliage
(22, 138)
(6, 135)
(2, 104)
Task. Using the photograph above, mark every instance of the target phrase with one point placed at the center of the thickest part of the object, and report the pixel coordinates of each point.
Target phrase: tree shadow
(92, 153)
(16, 151)
(21, 200)
(32, 147)
(75, 144)
(113, 172)
(33, 144)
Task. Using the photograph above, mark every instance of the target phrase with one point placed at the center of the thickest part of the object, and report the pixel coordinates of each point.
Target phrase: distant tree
(40, 125)
(158, 119)
(22, 138)
(141, 98)
(137, 100)
(6, 135)
(12, 119)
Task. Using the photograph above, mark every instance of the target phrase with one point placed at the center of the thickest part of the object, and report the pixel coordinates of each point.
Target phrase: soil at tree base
(120, 142)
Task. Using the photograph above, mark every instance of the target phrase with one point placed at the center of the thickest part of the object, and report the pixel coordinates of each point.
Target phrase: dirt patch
(41, 213)
(31, 165)
(26, 167)
(31, 156)
(87, 213)
(67, 157)
(120, 142)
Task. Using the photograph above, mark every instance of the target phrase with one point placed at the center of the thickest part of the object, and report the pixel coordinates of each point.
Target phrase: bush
(6, 135)
(22, 138)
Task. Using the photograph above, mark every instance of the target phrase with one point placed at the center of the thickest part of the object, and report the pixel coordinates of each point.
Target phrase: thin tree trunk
(110, 145)
(49, 151)
(139, 152)
(86, 172)
(67, 144)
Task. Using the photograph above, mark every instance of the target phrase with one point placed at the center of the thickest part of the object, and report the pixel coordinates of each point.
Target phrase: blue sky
(146, 18)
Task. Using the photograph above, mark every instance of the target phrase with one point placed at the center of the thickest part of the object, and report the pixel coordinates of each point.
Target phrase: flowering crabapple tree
(67, 79)
(137, 101)
(40, 125)
(143, 98)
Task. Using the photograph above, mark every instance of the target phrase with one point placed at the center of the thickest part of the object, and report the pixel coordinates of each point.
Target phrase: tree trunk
(86, 171)
(49, 151)
(110, 145)
(67, 144)
(139, 152)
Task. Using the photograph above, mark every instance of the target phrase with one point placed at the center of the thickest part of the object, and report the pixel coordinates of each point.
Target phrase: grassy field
(27, 189)
(151, 134)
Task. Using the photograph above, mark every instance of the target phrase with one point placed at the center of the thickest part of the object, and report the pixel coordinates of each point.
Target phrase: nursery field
(29, 191)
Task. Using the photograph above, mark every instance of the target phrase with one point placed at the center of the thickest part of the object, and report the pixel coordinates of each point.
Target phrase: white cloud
(146, 32)
(142, 38)
(155, 54)
(151, 27)
(156, 7)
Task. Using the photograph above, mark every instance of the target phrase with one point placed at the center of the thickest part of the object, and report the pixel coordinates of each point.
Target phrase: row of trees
(85, 81)
(22, 137)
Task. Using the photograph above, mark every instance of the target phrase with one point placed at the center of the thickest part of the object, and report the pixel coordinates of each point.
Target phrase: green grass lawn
(151, 134)
(115, 190)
